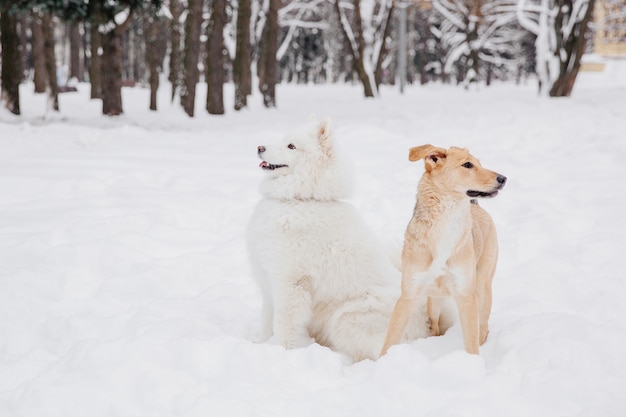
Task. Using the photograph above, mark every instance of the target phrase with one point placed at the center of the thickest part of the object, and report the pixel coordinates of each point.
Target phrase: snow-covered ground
(125, 288)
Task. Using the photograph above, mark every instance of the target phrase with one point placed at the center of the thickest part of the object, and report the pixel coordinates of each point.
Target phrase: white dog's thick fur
(321, 272)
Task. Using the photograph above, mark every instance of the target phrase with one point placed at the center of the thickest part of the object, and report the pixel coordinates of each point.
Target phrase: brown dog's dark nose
(501, 179)
(261, 149)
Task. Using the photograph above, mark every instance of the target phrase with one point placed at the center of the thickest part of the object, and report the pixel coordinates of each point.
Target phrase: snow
(125, 288)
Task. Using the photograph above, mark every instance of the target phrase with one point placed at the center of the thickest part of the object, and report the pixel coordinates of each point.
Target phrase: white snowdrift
(125, 288)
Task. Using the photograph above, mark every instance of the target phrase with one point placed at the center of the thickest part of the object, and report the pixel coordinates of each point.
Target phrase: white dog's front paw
(304, 341)
(262, 338)
(292, 341)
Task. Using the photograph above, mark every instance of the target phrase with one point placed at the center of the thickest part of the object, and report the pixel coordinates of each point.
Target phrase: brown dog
(450, 246)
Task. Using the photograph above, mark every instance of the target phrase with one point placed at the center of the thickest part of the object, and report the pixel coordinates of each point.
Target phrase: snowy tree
(176, 9)
(242, 72)
(154, 28)
(301, 53)
(39, 58)
(560, 27)
(476, 35)
(76, 50)
(366, 24)
(215, 53)
(47, 25)
(11, 63)
(267, 66)
(427, 51)
(44, 47)
(117, 19)
(109, 21)
(43, 36)
(95, 49)
(191, 55)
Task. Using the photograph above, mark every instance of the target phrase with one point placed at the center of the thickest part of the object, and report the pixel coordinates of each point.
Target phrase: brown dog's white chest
(440, 244)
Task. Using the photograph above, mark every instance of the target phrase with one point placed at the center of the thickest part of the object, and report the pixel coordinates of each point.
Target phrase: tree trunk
(176, 8)
(95, 46)
(242, 72)
(476, 18)
(132, 66)
(76, 64)
(51, 64)
(268, 65)
(112, 73)
(489, 75)
(574, 48)
(215, 58)
(378, 71)
(86, 52)
(360, 61)
(402, 68)
(39, 59)
(358, 53)
(151, 31)
(24, 24)
(193, 28)
(11, 63)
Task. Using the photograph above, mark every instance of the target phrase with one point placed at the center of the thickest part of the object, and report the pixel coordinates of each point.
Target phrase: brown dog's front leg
(468, 314)
(399, 320)
(434, 312)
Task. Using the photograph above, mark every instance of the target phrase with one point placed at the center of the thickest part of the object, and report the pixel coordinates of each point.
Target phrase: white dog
(321, 272)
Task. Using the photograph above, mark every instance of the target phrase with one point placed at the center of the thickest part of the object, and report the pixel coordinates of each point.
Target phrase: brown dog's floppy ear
(431, 155)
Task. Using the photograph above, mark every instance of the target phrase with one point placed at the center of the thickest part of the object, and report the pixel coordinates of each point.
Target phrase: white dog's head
(304, 166)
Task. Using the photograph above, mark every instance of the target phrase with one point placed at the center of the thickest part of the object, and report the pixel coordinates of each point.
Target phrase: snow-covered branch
(523, 18)
(285, 44)
(293, 17)
(448, 15)
(577, 14)
(347, 29)
(297, 23)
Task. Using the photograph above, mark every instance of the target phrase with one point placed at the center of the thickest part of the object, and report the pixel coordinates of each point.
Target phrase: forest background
(111, 44)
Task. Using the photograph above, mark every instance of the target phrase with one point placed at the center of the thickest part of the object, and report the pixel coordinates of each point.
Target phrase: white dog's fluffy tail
(358, 327)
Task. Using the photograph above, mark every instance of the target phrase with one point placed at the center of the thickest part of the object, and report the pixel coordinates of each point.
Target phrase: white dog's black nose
(261, 149)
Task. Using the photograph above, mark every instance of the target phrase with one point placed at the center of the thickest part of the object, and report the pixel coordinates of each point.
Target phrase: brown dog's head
(456, 170)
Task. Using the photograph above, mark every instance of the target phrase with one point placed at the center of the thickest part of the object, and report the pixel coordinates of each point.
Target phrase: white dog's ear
(324, 133)
(431, 155)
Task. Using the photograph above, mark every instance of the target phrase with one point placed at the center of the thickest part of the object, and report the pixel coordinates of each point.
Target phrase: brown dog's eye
(291, 146)
(468, 165)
